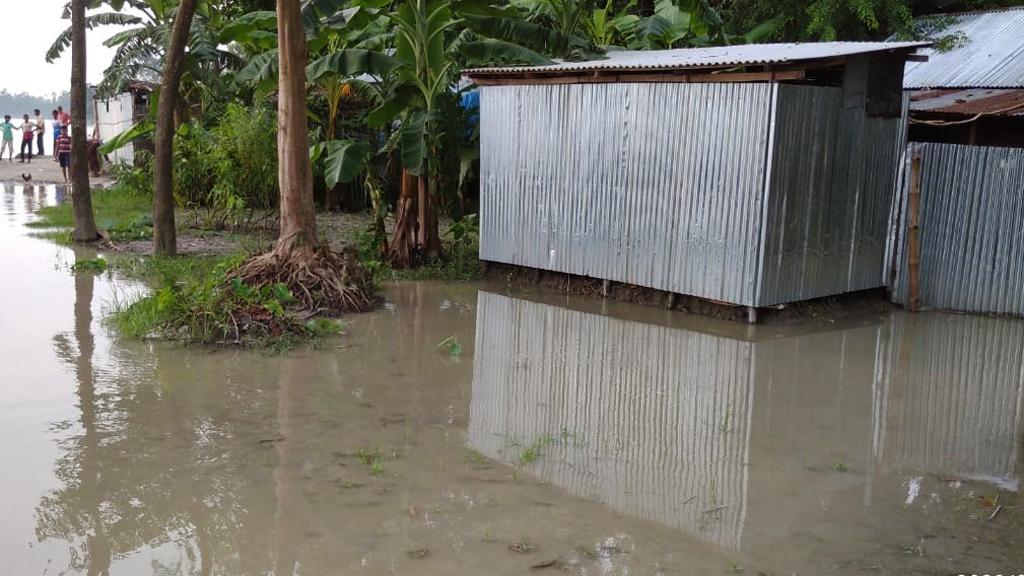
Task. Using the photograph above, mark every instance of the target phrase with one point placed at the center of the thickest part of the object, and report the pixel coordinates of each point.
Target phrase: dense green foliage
(228, 168)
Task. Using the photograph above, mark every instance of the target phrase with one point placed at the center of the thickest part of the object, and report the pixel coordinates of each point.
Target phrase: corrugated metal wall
(658, 185)
(972, 229)
(831, 188)
(649, 420)
(664, 186)
(113, 116)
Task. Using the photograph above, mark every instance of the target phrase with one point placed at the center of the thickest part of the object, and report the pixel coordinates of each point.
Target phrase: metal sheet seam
(765, 191)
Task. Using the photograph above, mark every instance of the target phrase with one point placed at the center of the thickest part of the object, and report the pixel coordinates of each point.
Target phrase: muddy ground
(41, 170)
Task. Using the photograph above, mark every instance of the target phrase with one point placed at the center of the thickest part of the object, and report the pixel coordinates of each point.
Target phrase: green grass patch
(195, 300)
(122, 212)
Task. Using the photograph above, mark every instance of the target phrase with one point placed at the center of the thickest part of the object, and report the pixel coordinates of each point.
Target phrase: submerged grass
(196, 301)
(122, 212)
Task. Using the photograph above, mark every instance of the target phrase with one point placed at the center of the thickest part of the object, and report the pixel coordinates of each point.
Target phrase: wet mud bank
(832, 307)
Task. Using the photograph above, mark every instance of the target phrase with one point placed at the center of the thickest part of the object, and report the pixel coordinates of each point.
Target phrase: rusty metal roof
(716, 57)
(970, 102)
(993, 56)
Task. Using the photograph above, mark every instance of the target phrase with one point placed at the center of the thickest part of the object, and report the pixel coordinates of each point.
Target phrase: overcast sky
(30, 26)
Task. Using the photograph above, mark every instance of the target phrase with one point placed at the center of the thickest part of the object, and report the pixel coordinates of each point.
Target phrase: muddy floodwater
(547, 434)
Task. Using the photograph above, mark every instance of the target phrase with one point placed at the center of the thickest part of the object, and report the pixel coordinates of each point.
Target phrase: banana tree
(433, 41)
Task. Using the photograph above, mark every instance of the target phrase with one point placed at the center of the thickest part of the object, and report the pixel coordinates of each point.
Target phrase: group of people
(35, 130)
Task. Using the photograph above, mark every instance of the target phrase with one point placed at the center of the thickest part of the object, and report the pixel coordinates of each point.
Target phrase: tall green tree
(85, 220)
(164, 232)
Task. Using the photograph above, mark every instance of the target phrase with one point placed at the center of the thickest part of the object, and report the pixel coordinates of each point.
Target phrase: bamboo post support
(914, 232)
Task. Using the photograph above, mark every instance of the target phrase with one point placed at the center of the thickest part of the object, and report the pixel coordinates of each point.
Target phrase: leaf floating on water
(451, 344)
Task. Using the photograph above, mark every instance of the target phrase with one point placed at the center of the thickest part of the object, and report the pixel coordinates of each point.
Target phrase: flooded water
(566, 436)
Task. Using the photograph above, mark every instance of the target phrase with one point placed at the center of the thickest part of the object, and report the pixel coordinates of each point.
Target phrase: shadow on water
(578, 436)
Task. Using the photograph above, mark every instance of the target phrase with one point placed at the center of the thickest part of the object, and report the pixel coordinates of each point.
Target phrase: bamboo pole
(914, 231)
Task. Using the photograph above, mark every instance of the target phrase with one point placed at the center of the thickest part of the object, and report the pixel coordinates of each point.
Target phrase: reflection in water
(954, 396)
(74, 514)
(710, 432)
(652, 421)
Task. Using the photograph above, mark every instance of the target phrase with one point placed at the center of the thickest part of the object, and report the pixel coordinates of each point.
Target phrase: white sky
(30, 26)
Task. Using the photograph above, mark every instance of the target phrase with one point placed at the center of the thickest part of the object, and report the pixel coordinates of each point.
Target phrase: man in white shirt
(40, 123)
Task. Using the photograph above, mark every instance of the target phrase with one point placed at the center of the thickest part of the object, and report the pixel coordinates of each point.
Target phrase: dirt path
(42, 169)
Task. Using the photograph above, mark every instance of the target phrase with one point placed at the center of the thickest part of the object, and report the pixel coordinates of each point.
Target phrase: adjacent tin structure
(751, 175)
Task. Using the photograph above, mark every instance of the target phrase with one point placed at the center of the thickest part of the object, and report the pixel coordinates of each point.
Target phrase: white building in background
(115, 114)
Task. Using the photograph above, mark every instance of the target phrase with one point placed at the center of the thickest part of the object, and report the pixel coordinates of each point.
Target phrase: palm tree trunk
(165, 241)
(85, 221)
(298, 215)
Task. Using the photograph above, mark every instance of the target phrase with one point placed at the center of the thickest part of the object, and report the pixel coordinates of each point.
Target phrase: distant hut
(959, 218)
(752, 175)
(115, 114)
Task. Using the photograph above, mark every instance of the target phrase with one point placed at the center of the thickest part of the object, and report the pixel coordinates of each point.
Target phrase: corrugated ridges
(719, 56)
(993, 57)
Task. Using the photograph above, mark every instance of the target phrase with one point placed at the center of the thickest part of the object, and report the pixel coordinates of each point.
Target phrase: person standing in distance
(40, 123)
(56, 132)
(8, 131)
(27, 130)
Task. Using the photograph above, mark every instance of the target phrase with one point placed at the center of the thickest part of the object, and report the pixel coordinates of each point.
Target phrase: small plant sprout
(372, 460)
(451, 345)
(534, 450)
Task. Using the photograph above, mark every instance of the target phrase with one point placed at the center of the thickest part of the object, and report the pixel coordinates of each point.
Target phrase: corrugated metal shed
(749, 193)
(993, 56)
(716, 57)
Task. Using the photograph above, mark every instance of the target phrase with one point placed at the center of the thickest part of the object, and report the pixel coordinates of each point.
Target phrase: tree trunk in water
(294, 173)
(165, 240)
(403, 243)
(85, 221)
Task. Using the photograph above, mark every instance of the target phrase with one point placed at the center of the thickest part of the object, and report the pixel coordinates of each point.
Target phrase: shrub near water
(197, 301)
(224, 171)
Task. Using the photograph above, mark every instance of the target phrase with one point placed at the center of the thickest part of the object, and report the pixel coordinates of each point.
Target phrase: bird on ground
(26, 177)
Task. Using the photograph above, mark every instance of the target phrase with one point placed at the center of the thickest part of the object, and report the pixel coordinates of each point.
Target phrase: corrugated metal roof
(993, 56)
(688, 58)
(973, 101)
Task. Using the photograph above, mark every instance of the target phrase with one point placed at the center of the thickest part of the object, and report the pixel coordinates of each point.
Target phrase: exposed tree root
(321, 280)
